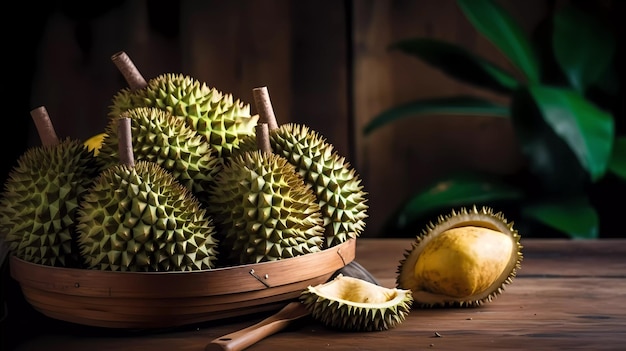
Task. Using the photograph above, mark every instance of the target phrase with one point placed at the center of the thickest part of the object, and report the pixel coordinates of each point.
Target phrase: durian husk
(336, 184)
(264, 210)
(140, 218)
(137, 216)
(465, 259)
(160, 137)
(39, 202)
(352, 304)
(218, 116)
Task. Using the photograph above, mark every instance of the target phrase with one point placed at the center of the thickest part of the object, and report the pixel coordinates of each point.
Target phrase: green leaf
(575, 217)
(505, 33)
(456, 105)
(587, 129)
(618, 159)
(458, 63)
(583, 47)
(459, 190)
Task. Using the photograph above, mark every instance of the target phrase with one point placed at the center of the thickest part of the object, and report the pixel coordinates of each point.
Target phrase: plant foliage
(564, 103)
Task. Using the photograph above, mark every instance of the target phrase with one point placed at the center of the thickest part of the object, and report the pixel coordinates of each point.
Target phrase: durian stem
(264, 107)
(44, 126)
(128, 69)
(263, 138)
(125, 145)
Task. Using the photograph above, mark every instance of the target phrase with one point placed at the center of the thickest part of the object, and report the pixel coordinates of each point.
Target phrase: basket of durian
(186, 208)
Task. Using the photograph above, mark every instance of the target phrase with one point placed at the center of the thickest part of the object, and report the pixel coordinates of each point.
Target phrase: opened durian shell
(465, 259)
(353, 304)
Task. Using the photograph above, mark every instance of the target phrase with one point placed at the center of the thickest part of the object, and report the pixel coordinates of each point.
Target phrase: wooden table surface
(567, 295)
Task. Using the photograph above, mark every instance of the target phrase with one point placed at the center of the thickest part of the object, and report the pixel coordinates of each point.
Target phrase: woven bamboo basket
(171, 299)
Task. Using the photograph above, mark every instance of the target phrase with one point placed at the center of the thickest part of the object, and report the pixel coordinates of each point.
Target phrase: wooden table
(567, 295)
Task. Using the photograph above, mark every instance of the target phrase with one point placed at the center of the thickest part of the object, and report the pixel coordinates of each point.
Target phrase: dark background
(324, 62)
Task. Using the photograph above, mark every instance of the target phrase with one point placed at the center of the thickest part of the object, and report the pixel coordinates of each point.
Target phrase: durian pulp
(94, 143)
(358, 292)
(463, 261)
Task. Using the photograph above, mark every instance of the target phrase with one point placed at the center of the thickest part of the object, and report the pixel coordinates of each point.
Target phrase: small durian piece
(161, 138)
(352, 304)
(465, 259)
(264, 210)
(40, 199)
(138, 217)
(94, 142)
(336, 184)
(217, 116)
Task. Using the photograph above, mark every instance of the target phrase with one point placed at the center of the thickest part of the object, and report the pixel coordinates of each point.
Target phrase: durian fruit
(39, 202)
(159, 137)
(352, 304)
(138, 217)
(465, 259)
(220, 118)
(336, 184)
(264, 209)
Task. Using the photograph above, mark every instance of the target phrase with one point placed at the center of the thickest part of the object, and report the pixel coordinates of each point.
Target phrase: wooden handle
(243, 338)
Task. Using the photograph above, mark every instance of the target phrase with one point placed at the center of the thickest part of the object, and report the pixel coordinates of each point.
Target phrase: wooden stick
(44, 126)
(264, 107)
(128, 69)
(263, 138)
(125, 146)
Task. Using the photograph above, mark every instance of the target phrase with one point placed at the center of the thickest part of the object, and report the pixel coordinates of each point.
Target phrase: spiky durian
(40, 199)
(213, 114)
(264, 210)
(465, 259)
(159, 137)
(139, 218)
(352, 304)
(336, 184)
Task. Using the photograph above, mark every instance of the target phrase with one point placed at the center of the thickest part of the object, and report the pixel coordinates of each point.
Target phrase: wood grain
(568, 295)
(171, 299)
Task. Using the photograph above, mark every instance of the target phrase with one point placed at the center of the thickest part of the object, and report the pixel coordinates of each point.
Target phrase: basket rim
(209, 282)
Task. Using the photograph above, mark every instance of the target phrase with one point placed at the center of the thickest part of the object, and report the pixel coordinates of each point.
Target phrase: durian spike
(125, 141)
(263, 138)
(44, 126)
(128, 69)
(264, 107)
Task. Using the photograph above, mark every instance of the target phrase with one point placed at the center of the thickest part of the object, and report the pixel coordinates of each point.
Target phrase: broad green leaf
(505, 33)
(459, 63)
(618, 159)
(549, 158)
(460, 190)
(583, 47)
(587, 129)
(575, 217)
(457, 105)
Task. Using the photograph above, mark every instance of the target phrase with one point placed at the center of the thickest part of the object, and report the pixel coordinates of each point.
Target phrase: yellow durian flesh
(465, 259)
(94, 143)
(356, 291)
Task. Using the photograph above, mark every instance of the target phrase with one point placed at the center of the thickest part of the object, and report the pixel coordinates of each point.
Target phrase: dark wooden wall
(324, 62)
